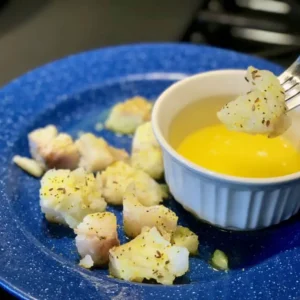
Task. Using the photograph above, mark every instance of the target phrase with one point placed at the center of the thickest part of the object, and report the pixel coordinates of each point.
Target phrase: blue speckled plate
(39, 260)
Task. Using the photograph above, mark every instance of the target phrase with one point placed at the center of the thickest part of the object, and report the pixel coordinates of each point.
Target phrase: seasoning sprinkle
(62, 189)
(158, 254)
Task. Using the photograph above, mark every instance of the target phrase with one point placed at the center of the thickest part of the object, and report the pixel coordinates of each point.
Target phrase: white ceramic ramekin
(225, 201)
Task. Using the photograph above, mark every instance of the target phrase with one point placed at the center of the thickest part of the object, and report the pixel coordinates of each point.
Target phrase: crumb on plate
(29, 165)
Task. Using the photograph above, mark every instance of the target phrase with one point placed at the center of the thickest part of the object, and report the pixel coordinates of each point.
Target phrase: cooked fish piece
(150, 161)
(61, 153)
(266, 82)
(87, 262)
(146, 152)
(126, 116)
(96, 154)
(253, 113)
(184, 237)
(260, 111)
(118, 176)
(148, 256)
(53, 150)
(29, 165)
(96, 235)
(68, 196)
(144, 138)
(39, 139)
(136, 216)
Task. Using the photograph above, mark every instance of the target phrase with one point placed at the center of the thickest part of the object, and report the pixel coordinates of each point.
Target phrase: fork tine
(289, 83)
(291, 87)
(292, 96)
(292, 71)
(286, 80)
(290, 80)
(293, 102)
(292, 92)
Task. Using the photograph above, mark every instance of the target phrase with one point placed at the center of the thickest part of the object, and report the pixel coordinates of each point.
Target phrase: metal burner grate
(267, 28)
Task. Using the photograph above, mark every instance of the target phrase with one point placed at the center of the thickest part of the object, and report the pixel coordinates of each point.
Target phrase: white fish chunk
(39, 139)
(68, 196)
(184, 237)
(118, 176)
(148, 256)
(96, 154)
(126, 116)
(87, 262)
(96, 235)
(136, 216)
(260, 111)
(53, 150)
(146, 152)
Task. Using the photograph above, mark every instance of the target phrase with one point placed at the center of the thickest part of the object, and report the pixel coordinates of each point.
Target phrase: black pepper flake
(256, 100)
(253, 107)
(158, 254)
(167, 262)
(62, 189)
(50, 189)
(246, 79)
(268, 123)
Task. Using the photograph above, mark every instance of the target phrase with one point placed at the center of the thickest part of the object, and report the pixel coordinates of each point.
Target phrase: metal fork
(290, 81)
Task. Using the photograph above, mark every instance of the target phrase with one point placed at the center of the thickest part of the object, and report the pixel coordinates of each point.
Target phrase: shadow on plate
(56, 231)
(244, 249)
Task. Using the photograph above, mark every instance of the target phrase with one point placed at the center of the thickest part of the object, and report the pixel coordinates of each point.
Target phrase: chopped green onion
(220, 260)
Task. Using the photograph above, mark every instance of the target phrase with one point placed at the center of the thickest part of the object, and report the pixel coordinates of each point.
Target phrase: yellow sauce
(239, 154)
